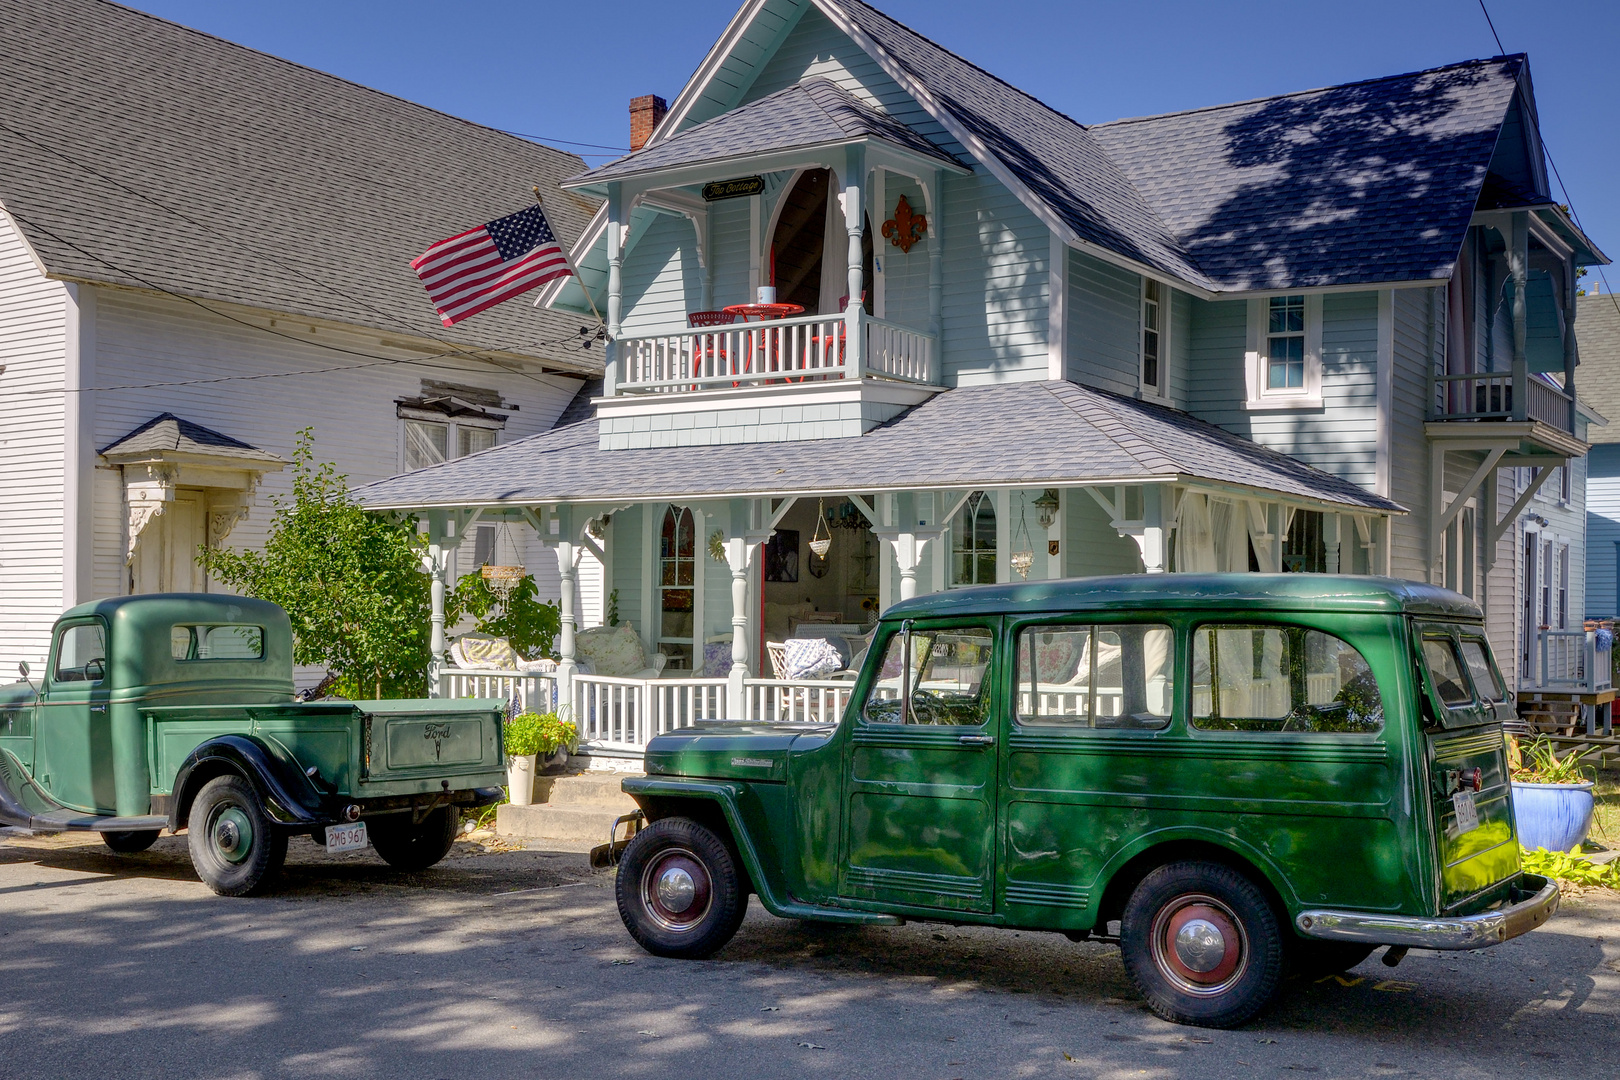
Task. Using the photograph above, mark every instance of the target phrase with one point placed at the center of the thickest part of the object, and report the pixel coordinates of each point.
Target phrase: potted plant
(1552, 797)
(558, 739)
(525, 738)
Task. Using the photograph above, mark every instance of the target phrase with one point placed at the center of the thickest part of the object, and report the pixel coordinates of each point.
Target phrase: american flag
(481, 267)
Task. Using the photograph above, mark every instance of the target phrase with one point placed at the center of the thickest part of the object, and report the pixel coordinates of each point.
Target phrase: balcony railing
(810, 348)
(1575, 660)
(1502, 395)
(624, 714)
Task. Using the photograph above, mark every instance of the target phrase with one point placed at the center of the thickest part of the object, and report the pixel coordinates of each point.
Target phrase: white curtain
(1195, 543)
(1260, 535)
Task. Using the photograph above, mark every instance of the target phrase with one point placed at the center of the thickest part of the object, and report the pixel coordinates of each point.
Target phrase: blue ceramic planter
(1552, 816)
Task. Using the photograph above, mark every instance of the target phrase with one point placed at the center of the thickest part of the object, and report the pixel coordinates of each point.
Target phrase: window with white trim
(1155, 323)
(428, 442)
(1285, 351)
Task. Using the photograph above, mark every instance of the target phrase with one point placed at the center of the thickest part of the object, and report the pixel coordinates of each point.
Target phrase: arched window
(973, 542)
(677, 576)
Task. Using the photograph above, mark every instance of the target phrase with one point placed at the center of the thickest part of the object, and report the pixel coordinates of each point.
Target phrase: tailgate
(434, 739)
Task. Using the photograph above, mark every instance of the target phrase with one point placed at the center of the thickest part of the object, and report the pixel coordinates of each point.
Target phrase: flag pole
(586, 289)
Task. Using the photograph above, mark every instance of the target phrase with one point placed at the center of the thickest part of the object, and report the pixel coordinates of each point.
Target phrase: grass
(1606, 818)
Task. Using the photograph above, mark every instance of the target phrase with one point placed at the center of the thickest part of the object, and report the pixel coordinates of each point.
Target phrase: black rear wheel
(1202, 944)
(405, 846)
(234, 848)
(679, 890)
(131, 843)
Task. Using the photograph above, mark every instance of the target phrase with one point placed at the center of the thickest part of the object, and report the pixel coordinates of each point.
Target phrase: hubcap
(676, 890)
(1199, 945)
(233, 833)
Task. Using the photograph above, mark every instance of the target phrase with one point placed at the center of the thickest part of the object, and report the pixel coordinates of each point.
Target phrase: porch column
(442, 542)
(854, 202)
(567, 559)
(1330, 541)
(616, 220)
(1518, 256)
(909, 538)
(936, 257)
(745, 534)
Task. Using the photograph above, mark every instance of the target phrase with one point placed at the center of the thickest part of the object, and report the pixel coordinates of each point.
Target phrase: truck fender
(1194, 837)
(290, 798)
(723, 794)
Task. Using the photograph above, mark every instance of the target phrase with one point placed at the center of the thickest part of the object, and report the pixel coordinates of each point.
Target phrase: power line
(565, 142)
(1500, 50)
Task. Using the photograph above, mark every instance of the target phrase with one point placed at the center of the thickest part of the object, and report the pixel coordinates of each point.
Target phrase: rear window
(1281, 678)
(216, 641)
(1477, 655)
(1445, 672)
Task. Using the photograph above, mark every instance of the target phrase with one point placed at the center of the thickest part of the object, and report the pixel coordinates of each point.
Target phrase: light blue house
(1329, 331)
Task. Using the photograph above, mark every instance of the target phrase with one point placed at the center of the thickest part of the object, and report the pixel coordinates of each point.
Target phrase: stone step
(545, 822)
(596, 790)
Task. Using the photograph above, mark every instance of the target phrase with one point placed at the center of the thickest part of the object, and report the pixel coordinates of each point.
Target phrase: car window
(1477, 655)
(945, 673)
(1281, 678)
(209, 641)
(1096, 676)
(1445, 672)
(81, 654)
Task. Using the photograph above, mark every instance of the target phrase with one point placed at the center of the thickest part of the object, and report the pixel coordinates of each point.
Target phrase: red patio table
(761, 313)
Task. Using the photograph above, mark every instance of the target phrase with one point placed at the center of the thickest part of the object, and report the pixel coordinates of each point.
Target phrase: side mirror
(22, 668)
(95, 669)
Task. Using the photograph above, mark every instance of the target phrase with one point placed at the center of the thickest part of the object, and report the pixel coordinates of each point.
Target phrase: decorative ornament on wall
(717, 546)
(906, 227)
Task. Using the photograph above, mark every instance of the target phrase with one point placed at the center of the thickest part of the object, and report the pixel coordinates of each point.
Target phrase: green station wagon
(1231, 776)
(176, 711)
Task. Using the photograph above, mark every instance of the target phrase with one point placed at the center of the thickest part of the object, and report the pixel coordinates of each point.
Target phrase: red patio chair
(835, 349)
(714, 350)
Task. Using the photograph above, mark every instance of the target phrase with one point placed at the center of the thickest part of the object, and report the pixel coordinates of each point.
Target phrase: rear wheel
(1202, 944)
(407, 846)
(234, 848)
(679, 890)
(130, 843)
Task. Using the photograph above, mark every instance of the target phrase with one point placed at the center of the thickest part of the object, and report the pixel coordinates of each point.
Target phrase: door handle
(976, 740)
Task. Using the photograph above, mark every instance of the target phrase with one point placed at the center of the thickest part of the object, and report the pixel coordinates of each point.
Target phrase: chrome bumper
(1535, 899)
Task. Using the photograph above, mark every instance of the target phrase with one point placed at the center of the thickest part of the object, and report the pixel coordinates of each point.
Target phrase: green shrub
(533, 733)
(1569, 867)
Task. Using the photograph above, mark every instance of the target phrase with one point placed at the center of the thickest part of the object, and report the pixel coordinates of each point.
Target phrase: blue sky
(566, 71)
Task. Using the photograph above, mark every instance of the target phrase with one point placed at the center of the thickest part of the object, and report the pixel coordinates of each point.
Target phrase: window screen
(216, 641)
(1108, 676)
(946, 672)
(1281, 678)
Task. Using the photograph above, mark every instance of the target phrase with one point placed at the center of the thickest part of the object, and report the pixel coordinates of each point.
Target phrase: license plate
(1467, 815)
(346, 837)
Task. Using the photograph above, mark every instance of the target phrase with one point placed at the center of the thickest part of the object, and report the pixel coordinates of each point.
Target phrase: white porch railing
(624, 714)
(810, 348)
(1571, 659)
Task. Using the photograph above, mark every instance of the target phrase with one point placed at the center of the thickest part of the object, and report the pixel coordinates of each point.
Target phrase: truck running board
(73, 821)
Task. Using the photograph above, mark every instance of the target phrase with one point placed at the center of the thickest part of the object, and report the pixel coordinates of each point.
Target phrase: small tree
(529, 624)
(351, 582)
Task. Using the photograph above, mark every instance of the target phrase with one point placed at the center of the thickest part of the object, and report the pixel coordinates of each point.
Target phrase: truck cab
(1232, 776)
(177, 712)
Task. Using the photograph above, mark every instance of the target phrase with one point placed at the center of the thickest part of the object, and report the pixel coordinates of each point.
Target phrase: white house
(204, 250)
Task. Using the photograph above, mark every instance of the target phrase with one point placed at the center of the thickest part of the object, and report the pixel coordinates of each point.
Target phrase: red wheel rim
(676, 890)
(1199, 945)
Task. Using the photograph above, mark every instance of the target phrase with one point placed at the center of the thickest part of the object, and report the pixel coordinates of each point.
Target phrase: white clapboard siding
(32, 421)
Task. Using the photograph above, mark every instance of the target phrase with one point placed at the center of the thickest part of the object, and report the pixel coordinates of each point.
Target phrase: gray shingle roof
(1597, 381)
(814, 112)
(1031, 434)
(168, 432)
(312, 193)
(1372, 181)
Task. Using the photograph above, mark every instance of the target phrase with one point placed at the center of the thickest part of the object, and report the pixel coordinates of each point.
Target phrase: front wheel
(130, 843)
(234, 848)
(405, 846)
(679, 890)
(1202, 944)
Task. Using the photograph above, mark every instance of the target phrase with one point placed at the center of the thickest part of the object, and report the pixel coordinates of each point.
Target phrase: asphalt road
(502, 964)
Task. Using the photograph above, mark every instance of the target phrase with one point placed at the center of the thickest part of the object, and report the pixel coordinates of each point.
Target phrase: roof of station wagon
(1335, 593)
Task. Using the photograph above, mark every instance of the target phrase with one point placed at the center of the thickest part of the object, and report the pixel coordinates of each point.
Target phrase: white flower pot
(520, 779)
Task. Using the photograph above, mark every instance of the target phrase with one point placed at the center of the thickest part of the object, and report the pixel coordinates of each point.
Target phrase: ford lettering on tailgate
(415, 742)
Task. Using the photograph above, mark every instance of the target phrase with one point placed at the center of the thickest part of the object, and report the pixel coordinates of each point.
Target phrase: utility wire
(1500, 49)
(451, 347)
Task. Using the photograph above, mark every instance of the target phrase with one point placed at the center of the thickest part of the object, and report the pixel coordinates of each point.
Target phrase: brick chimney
(645, 112)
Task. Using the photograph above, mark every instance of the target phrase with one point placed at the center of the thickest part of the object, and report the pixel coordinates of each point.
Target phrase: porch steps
(579, 807)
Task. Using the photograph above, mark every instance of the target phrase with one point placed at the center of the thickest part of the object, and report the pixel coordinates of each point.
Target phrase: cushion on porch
(717, 657)
(811, 658)
(483, 651)
(614, 651)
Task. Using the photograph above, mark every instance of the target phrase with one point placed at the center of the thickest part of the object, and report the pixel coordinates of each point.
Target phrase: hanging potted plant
(1552, 797)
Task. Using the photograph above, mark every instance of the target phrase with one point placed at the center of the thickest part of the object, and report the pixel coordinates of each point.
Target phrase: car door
(920, 770)
(73, 737)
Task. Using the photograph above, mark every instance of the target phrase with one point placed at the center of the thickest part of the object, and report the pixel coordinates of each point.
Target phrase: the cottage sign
(733, 189)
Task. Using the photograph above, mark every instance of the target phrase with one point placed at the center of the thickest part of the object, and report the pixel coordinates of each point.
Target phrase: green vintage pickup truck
(176, 711)
(1231, 776)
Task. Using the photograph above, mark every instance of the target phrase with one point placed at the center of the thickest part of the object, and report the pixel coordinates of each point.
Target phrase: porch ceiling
(1029, 434)
(815, 112)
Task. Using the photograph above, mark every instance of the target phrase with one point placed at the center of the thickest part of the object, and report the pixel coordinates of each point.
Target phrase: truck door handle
(976, 740)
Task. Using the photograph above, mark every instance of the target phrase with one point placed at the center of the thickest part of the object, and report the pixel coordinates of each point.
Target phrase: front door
(166, 556)
(73, 742)
(920, 769)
